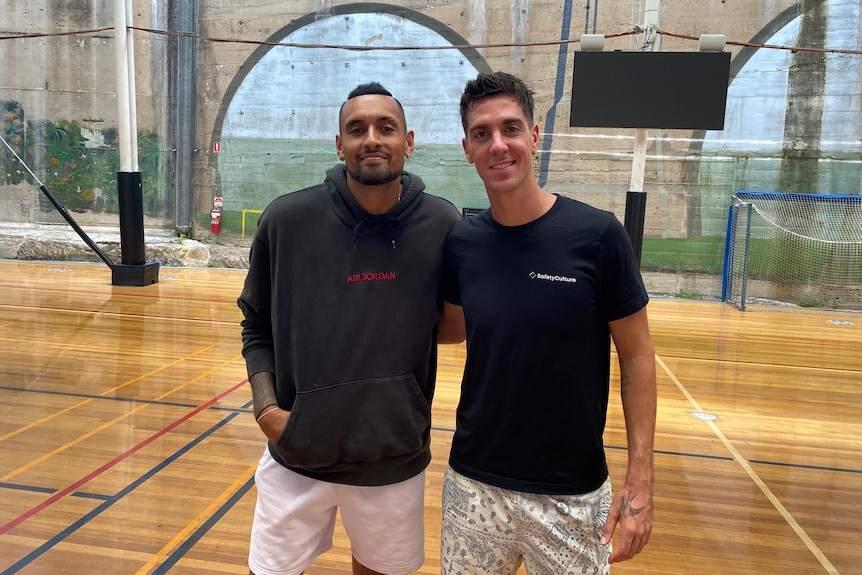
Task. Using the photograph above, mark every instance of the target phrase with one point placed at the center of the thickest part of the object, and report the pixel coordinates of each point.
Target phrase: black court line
(802, 466)
(86, 518)
(433, 428)
(121, 399)
(199, 533)
(49, 490)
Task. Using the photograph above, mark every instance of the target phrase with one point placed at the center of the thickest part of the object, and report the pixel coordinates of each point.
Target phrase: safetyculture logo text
(550, 278)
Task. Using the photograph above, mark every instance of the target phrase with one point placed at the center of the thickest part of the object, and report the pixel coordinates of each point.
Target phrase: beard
(373, 176)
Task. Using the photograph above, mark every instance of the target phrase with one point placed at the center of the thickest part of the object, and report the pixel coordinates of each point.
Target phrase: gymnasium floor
(127, 443)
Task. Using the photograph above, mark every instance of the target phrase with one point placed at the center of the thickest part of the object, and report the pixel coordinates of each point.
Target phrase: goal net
(801, 249)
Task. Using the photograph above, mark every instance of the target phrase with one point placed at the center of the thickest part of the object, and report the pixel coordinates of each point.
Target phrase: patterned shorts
(491, 531)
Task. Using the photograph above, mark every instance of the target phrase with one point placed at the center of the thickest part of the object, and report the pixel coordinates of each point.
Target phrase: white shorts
(294, 520)
(491, 531)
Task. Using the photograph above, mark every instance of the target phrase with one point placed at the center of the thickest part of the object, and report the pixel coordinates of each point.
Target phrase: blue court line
(199, 533)
(49, 490)
(95, 512)
(802, 466)
(30, 488)
(204, 528)
(678, 453)
(714, 457)
(550, 119)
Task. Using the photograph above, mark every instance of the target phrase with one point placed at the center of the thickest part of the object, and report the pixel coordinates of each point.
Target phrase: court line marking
(230, 304)
(789, 366)
(760, 339)
(118, 459)
(93, 347)
(801, 466)
(117, 314)
(785, 514)
(61, 448)
(134, 400)
(96, 511)
(109, 391)
(26, 390)
(107, 424)
(113, 294)
(185, 539)
(203, 530)
(763, 335)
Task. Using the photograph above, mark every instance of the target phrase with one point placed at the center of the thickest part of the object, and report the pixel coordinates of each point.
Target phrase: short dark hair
(367, 89)
(496, 83)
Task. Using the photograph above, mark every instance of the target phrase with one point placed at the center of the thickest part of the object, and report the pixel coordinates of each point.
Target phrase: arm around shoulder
(450, 327)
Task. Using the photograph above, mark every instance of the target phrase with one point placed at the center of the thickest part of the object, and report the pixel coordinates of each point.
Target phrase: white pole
(126, 107)
(636, 196)
(652, 16)
(133, 108)
(639, 161)
(652, 43)
(123, 98)
(133, 269)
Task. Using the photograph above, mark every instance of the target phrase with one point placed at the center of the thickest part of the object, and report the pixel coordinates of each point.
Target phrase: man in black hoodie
(342, 314)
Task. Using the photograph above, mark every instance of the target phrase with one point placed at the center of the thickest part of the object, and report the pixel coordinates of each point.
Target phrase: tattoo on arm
(263, 392)
(626, 509)
(625, 383)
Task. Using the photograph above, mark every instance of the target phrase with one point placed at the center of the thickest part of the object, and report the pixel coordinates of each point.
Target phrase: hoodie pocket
(353, 422)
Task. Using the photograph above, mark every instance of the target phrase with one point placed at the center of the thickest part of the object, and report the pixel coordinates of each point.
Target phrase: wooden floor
(127, 444)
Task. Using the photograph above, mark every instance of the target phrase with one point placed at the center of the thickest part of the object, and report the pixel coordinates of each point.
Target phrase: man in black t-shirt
(545, 283)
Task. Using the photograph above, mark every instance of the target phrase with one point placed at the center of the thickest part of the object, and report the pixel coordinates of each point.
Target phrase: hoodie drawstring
(369, 223)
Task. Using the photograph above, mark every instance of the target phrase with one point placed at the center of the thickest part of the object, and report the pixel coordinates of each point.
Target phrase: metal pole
(185, 113)
(587, 19)
(121, 54)
(595, 15)
(133, 270)
(132, 91)
(636, 196)
(652, 16)
(61, 208)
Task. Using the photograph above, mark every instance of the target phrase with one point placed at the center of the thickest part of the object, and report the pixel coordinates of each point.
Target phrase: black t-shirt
(537, 300)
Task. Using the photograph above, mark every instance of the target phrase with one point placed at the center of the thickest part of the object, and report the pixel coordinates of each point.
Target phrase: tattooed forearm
(626, 509)
(625, 383)
(263, 390)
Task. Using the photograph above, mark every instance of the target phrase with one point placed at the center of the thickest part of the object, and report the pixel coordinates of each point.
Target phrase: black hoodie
(342, 307)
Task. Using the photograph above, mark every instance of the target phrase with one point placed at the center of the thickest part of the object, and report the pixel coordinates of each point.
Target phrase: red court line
(60, 494)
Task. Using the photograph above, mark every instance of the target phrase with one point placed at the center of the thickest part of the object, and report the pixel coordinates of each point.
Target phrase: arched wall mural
(279, 118)
(793, 119)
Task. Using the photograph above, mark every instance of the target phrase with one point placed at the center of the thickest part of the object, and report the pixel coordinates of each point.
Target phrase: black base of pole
(634, 222)
(135, 275)
(131, 205)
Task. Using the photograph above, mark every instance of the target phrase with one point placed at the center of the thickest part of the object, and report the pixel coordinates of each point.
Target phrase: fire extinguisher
(215, 221)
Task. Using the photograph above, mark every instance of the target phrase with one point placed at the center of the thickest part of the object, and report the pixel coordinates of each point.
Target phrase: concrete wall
(592, 164)
(72, 78)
